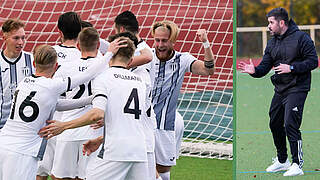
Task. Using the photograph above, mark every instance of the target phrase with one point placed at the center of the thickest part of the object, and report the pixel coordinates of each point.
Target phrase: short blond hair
(45, 57)
(171, 26)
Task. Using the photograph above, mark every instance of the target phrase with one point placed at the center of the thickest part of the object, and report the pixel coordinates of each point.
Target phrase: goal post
(205, 102)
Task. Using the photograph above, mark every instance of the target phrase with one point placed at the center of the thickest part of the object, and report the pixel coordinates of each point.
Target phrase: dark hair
(129, 35)
(127, 20)
(85, 24)
(127, 52)
(12, 24)
(69, 24)
(88, 39)
(279, 14)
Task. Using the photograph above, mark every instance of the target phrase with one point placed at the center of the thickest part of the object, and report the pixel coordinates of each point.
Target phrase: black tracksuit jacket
(294, 48)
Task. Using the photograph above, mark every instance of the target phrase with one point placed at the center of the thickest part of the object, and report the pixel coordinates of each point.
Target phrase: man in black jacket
(292, 54)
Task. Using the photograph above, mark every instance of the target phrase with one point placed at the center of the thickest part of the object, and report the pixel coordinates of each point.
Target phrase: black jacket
(295, 48)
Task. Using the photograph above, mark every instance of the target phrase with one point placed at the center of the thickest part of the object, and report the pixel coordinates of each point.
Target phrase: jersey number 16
(25, 103)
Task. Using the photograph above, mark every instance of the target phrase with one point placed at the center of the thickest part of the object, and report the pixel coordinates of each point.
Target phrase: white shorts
(165, 147)
(168, 143)
(179, 129)
(45, 166)
(69, 162)
(17, 166)
(116, 170)
(151, 165)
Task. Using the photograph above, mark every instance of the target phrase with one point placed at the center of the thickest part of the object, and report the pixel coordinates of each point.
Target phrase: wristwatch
(291, 67)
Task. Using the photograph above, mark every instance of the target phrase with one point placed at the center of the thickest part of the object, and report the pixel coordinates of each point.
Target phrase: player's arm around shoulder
(144, 58)
(56, 127)
(205, 67)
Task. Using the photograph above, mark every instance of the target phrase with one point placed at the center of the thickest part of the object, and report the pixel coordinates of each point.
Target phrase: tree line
(252, 13)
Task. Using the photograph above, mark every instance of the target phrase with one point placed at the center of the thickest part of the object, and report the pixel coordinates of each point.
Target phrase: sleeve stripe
(100, 95)
(69, 84)
(191, 65)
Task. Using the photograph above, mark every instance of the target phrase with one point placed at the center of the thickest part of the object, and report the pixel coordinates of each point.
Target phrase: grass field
(254, 144)
(190, 168)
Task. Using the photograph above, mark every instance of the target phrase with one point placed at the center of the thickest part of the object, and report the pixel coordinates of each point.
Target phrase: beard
(164, 55)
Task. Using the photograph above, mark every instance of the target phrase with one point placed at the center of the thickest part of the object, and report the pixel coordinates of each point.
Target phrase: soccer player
(69, 162)
(292, 54)
(15, 64)
(127, 22)
(69, 26)
(21, 146)
(119, 99)
(148, 117)
(167, 74)
(103, 44)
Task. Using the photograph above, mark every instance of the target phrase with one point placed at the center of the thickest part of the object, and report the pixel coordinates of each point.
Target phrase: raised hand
(247, 68)
(202, 34)
(116, 44)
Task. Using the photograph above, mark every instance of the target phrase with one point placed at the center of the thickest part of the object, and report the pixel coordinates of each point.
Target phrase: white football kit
(103, 46)
(69, 160)
(121, 94)
(34, 103)
(167, 78)
(12, 72)
(148, 118)
(66, 54)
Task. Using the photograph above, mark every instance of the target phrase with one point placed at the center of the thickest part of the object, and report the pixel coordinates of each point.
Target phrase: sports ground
(254, 144)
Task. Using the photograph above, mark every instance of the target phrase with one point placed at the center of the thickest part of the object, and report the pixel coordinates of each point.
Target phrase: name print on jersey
(126, 77)
(27, 80)
(81, 69)
(62, 55)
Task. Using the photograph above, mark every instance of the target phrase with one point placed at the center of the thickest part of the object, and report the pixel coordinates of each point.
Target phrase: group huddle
(91, 108)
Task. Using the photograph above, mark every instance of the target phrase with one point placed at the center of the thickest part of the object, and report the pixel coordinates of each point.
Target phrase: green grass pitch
(191, 168)
(254, 144)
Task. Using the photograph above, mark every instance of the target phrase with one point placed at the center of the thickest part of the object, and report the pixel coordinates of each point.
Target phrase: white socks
(165, 176)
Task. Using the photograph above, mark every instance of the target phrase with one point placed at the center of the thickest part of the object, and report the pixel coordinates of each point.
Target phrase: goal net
(205, 102)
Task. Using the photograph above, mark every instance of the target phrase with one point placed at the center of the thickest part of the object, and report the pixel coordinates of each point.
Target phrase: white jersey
(67, 54)
(12, 72)
(103, 46)
(167, 78)
(34, 103)
(123, 95)
(148, 118)
(82, 91)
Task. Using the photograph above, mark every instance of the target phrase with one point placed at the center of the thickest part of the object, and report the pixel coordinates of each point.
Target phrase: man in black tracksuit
(292, 54)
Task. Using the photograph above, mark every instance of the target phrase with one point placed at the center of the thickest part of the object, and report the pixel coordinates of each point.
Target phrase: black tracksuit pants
(285, 121)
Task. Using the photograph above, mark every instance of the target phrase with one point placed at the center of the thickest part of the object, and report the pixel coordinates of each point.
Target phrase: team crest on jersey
(174, 66)
(26, 71)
